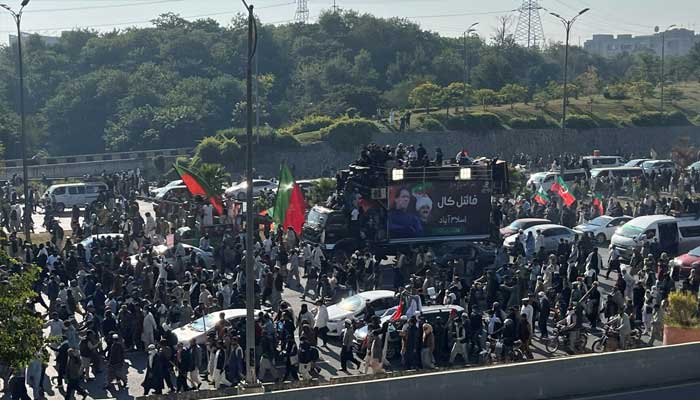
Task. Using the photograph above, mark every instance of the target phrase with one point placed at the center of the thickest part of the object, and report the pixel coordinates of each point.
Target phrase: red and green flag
(562, 189)
(541, 196)
(598, 202)
(289, 206)
(199, 187)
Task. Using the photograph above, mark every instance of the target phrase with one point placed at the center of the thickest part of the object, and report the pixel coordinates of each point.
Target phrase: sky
(447, 17)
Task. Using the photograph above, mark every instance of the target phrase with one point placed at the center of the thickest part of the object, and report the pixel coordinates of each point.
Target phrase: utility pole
(467, 59)
(529, 31)
(567, 25)
(27, 213)
(251, 379)
(663, 54)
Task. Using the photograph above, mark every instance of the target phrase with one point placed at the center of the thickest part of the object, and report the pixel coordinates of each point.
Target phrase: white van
(546, 179)
(602, 161)
(674, 235)
(624, 172)
(69, 194)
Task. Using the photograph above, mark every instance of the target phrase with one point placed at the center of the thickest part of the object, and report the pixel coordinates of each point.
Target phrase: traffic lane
(682, 391)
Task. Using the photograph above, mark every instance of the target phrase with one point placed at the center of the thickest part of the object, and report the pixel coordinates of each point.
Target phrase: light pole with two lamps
(27, 214)
(567, 26)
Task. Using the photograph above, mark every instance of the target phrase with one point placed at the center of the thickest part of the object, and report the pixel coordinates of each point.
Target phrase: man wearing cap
(115, 365)
(459, 334)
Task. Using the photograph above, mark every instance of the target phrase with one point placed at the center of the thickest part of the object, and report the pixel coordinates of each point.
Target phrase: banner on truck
(438, 208)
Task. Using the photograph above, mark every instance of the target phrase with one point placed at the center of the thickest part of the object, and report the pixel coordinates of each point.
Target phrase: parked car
(87, 242)
(694, 166)
(547, 178)
(522, 224)
(168, 254)
(199, 328)
(353, 307)
(657, 166)
(174, 193)
(602, 161)
(483, 255)
(637, 162)
(158, 190)
(68, 195)
(602, 228)
(429, 313)
(238, 191)
(688, 262)
(552, 235)
(674, 235)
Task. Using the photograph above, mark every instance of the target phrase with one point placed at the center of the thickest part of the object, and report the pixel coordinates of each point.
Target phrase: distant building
(678, 43)
(48, 40)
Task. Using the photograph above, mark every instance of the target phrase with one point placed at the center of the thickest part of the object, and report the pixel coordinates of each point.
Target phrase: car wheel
(600, 238)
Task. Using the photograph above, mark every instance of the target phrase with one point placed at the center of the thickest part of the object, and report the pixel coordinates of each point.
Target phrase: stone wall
(310, 161)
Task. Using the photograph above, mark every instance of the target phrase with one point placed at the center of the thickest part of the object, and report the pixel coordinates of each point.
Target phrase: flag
(541, 196)
(198, 187)
(289, 203)
(562, 189)
(598, 202)
(402, 308)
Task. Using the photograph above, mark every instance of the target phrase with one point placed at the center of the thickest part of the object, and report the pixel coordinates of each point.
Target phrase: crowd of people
(115, 298)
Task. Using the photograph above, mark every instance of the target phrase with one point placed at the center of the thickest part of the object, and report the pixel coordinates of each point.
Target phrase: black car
(483, 255)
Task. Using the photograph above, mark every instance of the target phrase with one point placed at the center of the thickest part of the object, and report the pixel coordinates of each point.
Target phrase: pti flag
(598, 202)
(289, 206)
(199, 187)
(541, 196)
(562, 189)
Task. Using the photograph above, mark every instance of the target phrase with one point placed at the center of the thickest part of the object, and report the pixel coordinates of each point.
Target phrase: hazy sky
(448, 17)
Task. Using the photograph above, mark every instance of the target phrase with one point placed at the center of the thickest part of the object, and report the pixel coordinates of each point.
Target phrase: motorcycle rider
(622, 326)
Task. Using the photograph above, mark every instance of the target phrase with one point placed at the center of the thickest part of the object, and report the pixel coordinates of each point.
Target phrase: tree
(455, 94)
(673, 94)
(21, 336)
(425, 95)
(214, 175)
(542, 99)
(513, 93)
(485, 97)
(642, 90)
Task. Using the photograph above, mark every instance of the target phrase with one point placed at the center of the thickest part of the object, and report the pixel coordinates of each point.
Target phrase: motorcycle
(604, 343)
(556, 340)
(495, 351)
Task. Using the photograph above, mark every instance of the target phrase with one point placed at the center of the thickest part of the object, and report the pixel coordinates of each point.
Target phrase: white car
(637, 162)
(694, 166)
(536, 179)
(553, 233)
(199, 328)
(602, 227)
(656, 166)
(87, 242)
(156, 191)
(238, 191)
(168, 254)
(353, 307)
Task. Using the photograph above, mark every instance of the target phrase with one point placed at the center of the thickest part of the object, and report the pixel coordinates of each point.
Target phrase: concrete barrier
(548, 379)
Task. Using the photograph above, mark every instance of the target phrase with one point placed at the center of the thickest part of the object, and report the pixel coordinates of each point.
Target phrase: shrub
(538, 122)
(349, 133)
(207, 151)
(682, 310)
(308, 124)
(478, 121)
(655, 118)
(266, 137)
(575, 121)
(618, 91)
(432, 125)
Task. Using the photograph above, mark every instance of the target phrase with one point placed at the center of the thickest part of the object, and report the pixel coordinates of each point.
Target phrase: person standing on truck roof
(403, 224)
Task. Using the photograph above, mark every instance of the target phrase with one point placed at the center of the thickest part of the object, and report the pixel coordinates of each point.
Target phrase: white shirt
(321, 320)
(354, 214)
(529, 311)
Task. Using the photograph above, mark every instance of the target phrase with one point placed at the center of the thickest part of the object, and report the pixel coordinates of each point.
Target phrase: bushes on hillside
(347, 134)
(617, 91)
(538, 122)
(432, 125)
(655, 118)
(266, 137)
(580, 122)
(478, 121)
(309, 124)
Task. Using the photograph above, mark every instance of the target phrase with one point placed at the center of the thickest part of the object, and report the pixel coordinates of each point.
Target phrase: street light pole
(251, 379)
(663, 54)
(567, 25)
(467, 59)
(27, 214)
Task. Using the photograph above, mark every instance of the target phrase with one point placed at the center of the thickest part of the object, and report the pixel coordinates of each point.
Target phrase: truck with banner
(388, 207)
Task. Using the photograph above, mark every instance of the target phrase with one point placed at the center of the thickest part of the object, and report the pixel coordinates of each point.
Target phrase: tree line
(180, 81)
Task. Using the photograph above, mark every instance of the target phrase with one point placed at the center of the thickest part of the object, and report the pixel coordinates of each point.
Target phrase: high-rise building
(678, 43)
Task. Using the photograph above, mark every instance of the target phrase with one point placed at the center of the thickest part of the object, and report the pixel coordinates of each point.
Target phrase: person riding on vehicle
(620, 324)
(570, 326)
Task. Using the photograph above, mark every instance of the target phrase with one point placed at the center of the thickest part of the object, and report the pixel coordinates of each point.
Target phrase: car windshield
(600, 221)
(517, 225)
(204, 323)
(695, 252)
(352, 304)
(629, 231)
